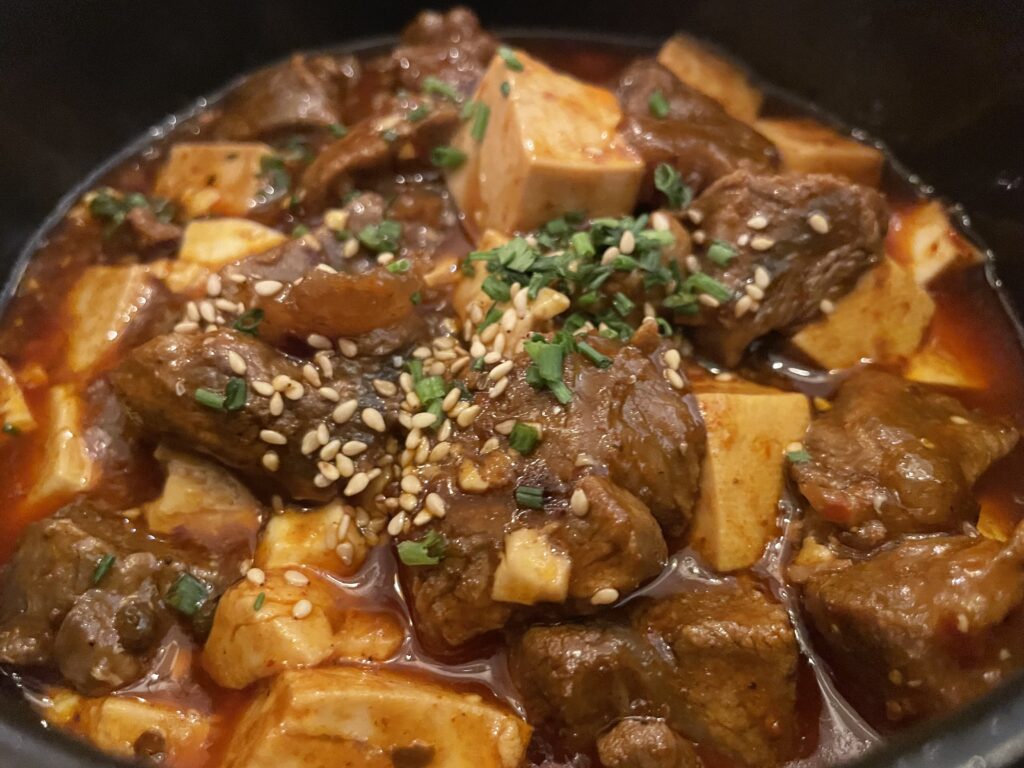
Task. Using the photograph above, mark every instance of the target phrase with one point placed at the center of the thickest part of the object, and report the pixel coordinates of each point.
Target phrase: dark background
(941, 81)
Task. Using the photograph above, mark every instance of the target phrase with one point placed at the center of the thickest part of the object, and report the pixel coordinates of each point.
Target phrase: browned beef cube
(898, 454)
(926, 626)
(645, 743)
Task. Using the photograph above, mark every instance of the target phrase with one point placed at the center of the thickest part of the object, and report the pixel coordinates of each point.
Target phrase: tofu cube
(923, 238)
(742, 475)
(67, 467)
(213, 178)
(807, 146)
(202, 501)
(14, 411)
(935, 364)
(105, 306)
(215, 243)
(368, 636)
(549, 147)
(310, 537)
(180, 277)
(116, 724)
(862, 326)
(706, 71)
(531, 570)
(326, 718)
(253, 637)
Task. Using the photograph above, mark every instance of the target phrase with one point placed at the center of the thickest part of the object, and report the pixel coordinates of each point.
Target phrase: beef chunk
(924, 626)
(304, 92)
(158, 382)
(898, 454)
(99, 627)
(645, 743)
(149, 231)
(628, 443)
(450, 46)
(717, 664)
(697, 136)
(804, 265)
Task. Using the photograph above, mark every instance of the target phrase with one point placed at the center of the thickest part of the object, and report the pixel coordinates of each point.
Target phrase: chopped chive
(530, 496)
(102, 568)
(415, 368)
(598, 359)
(468, 109)
(703, 283)
(430, 388)
(561, 392)
(496, 288)
(399, 267)
(798, 457)
(299, 230)
(447, 157)
(493, 315)
(548, 359)
(658, 105)
(416, 298)
(721, 252)
(249, 322)
(670, 182)
(337, 130)
(235, 394)
(623, 304)
(440, 88)
(188, 594)
(417, 114)
(582, 244)
(210, 399)
(480, 118)
(510, 59)
(381, 237)
(505, 88)
(429, 550)
(258, 602)
(523, 438)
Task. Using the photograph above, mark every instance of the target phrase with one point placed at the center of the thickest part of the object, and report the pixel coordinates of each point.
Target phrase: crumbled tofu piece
(994, 520)
(807, 146)
(742, 475)
(255, 637)
(549, 147)
(203, 501)
(310, 537)
(368, 636)
(923, 238)
(531, 570)
(220, 178)
(326, 718)
(105, 305)
(14, 411)
(704, 70)
(935, 364)
(67, 467)
(215, 243)
(180, 277)
(861, 327)
(116, 724)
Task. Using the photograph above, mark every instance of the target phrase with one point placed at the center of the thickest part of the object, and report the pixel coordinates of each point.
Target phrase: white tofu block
(310, 537)
(923, 238)
(531, 570)
(550, 147)
(326, 718)
(807, 146)
(213, 178)
(742, 475)
(14, 411)
(66, 465)
(884, 319)
(215, 243)
(704, 70)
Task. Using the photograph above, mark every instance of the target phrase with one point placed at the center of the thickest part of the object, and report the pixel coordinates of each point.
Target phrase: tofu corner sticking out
(704, 70)
(324, 718)
(215, 243)
(14, 411)
(807, 146)
(531, 570)
(253, 637)
(67, 467)
(104, 305)
(220, 177)
(310, 537)
(550, 147)
(862, 325)
(923, 238)
(743, 471)
(934, 364)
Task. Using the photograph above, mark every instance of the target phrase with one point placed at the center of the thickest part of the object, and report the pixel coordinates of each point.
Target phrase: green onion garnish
(658, 105)
(399, 267)
(258, 602)
(429, 550)
(188, 594)
(721, 252)
(447, 157)
(509, 57)
(670, 182)
(102, 568)
(480, 117)
(440, 88)
(530, 496)
(598, 359)
(523, 438)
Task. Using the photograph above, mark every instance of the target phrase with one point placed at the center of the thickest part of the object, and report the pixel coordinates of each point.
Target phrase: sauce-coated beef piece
(695, 135)
(450, 46)
(304, 92)
(895, 457)
(85, 592)
(926, 625)
(777, 252)
(645, 743)
(158, 381)
(628, 442)
(718, 664)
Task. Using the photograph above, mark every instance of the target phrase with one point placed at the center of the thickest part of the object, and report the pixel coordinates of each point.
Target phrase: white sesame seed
(294, 391)
(743, 240)
(397, 524)
(692, 263)
(435, 505)
(329, 451)
(328, 470)
(323, 359)
(674, 378)
(310, 374)
(267, 288)
(422, 518)
(329, 393)
(753, 291)
(962, 623)
(347, 347)
(353, 447)
(505, 427)
(207, 312)
(323, 434)
(411, 484)
(743, 305)
(440, 451)
(698, 236)
(761, 277)
(345, 465)
(281, 382)
(344, 411)
(302, 609)
(318, 341)
(579, 503)
(271, 461)
(264, 388)
(413, 439)
(445, 431)
(708, 301)
(498, 389)
(372, 418)
(310, 442)
(273, 437)
(627, 243)
(660, 221)
(673, 359)
(256, 576)
(186, 326)
(468, 416)
(761, 243)
(757, 221)
(818, 223)
(296, 578)
(794, 447)
(500, 370)
(351, 248)
(385, 388)
(605, 596)
(276, 405)
(346, 552)
(236, 363)
(694, 215)
(451, 399)
(357, 484)
(424, 420)
(956, 419)
(827, 307)
(385, 257)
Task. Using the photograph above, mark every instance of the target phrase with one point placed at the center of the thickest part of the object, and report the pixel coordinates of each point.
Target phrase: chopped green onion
(258, 602)
(299, 230)
(415, 368)
(188, 594)
(468, 109)
(399, 267)
(670, 182)
(430, 388)
(416, 298)
(429, 550)
(798, 457)
(510, 59)
(658, 105)
(337, 130)
(210, 399)
(102, 568)
(493, 315)
(381, 237)
(530, 496)
(561, 392)
(440, 88)
(623, 304)
(273, 171)
(582, 244)
(523, 438)
(480, 117)
(721, 252)
(505, 88)
(598, 359)
(235, 394)
(548, 358)
(496, 288)
(418, 113)
(447, 157)
(703, 283)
